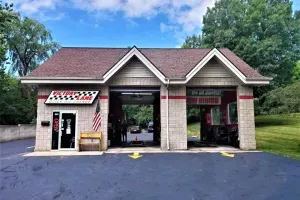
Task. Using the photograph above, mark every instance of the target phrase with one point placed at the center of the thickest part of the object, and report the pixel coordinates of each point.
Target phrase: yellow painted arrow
(227, 154)
(135, 155)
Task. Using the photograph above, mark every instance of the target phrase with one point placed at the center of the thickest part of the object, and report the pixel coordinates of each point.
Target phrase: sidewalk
(64, 153)
(218, 149)
(130, 150)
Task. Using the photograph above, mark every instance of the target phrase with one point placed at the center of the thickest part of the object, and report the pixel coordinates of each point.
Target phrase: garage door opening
(134, 117)
(212, 117)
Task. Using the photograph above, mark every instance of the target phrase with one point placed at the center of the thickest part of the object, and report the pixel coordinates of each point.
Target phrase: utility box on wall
(45, 123)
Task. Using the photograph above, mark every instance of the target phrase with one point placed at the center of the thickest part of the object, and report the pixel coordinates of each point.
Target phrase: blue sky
(119, 23)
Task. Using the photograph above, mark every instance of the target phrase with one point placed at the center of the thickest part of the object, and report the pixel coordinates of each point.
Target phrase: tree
(296, 72)
(6, 16)
(141, 113)
(30, 44)
(193, 114)
(193, 41)
(16, 106)
(264, 33)
(282, 100)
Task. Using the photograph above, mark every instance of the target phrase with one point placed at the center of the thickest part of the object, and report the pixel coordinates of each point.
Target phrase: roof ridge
(174, 48)
(95, 48)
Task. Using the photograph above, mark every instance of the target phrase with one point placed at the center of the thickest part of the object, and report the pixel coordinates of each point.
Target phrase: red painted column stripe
(103, 97)
(174, 97)
(246, 97)
(43, 96)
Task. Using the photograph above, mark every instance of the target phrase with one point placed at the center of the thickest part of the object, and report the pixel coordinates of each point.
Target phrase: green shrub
(282, 100)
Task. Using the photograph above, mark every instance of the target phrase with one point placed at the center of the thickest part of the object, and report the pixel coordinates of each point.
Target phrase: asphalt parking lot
(154, 176)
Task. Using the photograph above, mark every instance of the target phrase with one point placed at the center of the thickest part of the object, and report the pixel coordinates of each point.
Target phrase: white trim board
(134, 52)
(223, 59)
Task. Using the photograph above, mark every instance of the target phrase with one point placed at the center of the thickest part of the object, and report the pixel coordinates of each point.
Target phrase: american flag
(97, 117)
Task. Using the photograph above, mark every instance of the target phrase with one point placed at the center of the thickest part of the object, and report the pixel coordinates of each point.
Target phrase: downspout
(167, 98)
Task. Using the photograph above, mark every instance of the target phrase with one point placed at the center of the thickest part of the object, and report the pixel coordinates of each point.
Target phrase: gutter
(61, 80)
(99, 80)
(167, 98)
(58, 78)
(259, 79)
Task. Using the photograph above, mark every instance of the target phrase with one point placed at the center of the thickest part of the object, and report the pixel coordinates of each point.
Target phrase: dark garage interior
(137, 134)
(212, 117)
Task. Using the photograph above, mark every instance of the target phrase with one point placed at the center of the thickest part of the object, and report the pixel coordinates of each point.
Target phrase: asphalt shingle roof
(95, 62)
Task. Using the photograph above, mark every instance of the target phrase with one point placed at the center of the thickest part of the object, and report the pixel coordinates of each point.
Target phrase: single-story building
(73, 81)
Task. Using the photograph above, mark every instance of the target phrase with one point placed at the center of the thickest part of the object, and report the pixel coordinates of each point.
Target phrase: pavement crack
(19, 162)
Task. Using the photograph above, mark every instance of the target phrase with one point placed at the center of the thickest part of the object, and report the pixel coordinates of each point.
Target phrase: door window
(232, 113)
(215, 116)
(67, 137)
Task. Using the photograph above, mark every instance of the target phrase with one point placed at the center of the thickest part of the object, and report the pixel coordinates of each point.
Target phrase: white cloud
(165, 28)
(98, 5)
(44, 17)
(132, 23)
(184, 16)
(39, 9)
(138, 8)
(34, 6)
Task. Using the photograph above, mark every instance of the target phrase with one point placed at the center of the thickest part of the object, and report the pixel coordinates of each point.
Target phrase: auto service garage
(73, 81)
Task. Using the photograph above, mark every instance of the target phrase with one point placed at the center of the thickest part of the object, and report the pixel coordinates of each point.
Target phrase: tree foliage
(282, 100)
(193, 114)
(264, 33)
(17, 101)
(193, 41)
(6, 17)
(30, 44)
(296, 72)
(142, 114)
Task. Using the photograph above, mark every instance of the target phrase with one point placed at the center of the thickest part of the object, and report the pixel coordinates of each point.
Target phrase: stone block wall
(16, 132)
(177, 117)
(211, 81)
(85, 114)
(163, 118)
(134, 81)
(246, 117)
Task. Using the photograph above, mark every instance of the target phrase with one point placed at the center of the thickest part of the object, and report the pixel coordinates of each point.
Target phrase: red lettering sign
(56, 124)
(71, 97)
(203, 100)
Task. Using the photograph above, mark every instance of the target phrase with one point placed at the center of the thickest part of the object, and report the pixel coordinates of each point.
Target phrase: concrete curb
(132, 150)
(181, 152)
(63, 153)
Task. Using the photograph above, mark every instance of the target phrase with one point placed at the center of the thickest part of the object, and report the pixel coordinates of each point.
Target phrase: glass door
(67, 136)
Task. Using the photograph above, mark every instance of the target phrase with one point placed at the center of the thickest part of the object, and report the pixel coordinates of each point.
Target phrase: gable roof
(102, 63)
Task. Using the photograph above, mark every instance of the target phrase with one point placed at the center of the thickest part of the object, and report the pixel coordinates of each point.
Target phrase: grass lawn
(193, 130)
(279, 134)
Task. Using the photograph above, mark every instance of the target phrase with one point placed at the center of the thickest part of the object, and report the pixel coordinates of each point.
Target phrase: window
(232, 113)
(215, 116)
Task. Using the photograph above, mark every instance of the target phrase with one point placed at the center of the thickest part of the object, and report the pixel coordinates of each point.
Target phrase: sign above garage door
(203, 96)
(71, 97)
(205, 100)
(204, 93)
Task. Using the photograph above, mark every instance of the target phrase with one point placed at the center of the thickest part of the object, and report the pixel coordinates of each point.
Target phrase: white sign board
(71, 97)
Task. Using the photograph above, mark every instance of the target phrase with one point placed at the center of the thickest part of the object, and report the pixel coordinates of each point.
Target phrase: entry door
(68, 131)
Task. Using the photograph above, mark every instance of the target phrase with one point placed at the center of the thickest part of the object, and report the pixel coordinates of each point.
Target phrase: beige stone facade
(246, 117)
(173, 112)
(176, 117)
(84, 114)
